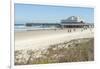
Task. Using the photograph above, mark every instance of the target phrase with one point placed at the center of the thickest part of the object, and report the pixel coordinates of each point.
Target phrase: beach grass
(73, 51)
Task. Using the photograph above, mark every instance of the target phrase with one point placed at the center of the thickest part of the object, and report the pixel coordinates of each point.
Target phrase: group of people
(70, 30)
(73, 30)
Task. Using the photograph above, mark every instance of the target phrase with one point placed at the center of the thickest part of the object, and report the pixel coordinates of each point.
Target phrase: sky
(26, 13)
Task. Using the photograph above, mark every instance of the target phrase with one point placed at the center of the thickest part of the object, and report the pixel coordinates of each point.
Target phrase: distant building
(73, 19)
(70, 22)
(75, 22)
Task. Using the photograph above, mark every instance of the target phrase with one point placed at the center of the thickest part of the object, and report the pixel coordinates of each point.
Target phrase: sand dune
(44, 38)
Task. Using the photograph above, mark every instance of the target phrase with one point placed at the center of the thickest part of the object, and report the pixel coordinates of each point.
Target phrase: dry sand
(41, 39)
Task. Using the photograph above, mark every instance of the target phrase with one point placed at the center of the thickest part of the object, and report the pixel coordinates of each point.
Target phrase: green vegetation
(72, 51)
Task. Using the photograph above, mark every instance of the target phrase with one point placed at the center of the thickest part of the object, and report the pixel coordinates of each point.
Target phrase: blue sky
(25, 13)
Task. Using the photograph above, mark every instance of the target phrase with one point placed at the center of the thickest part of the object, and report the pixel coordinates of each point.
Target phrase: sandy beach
(41, 39)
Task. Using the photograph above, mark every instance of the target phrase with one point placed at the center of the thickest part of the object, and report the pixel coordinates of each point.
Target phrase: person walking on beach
(68, 30)
(74, 29)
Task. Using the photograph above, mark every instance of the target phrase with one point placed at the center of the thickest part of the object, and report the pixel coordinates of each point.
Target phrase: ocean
(22, 27)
